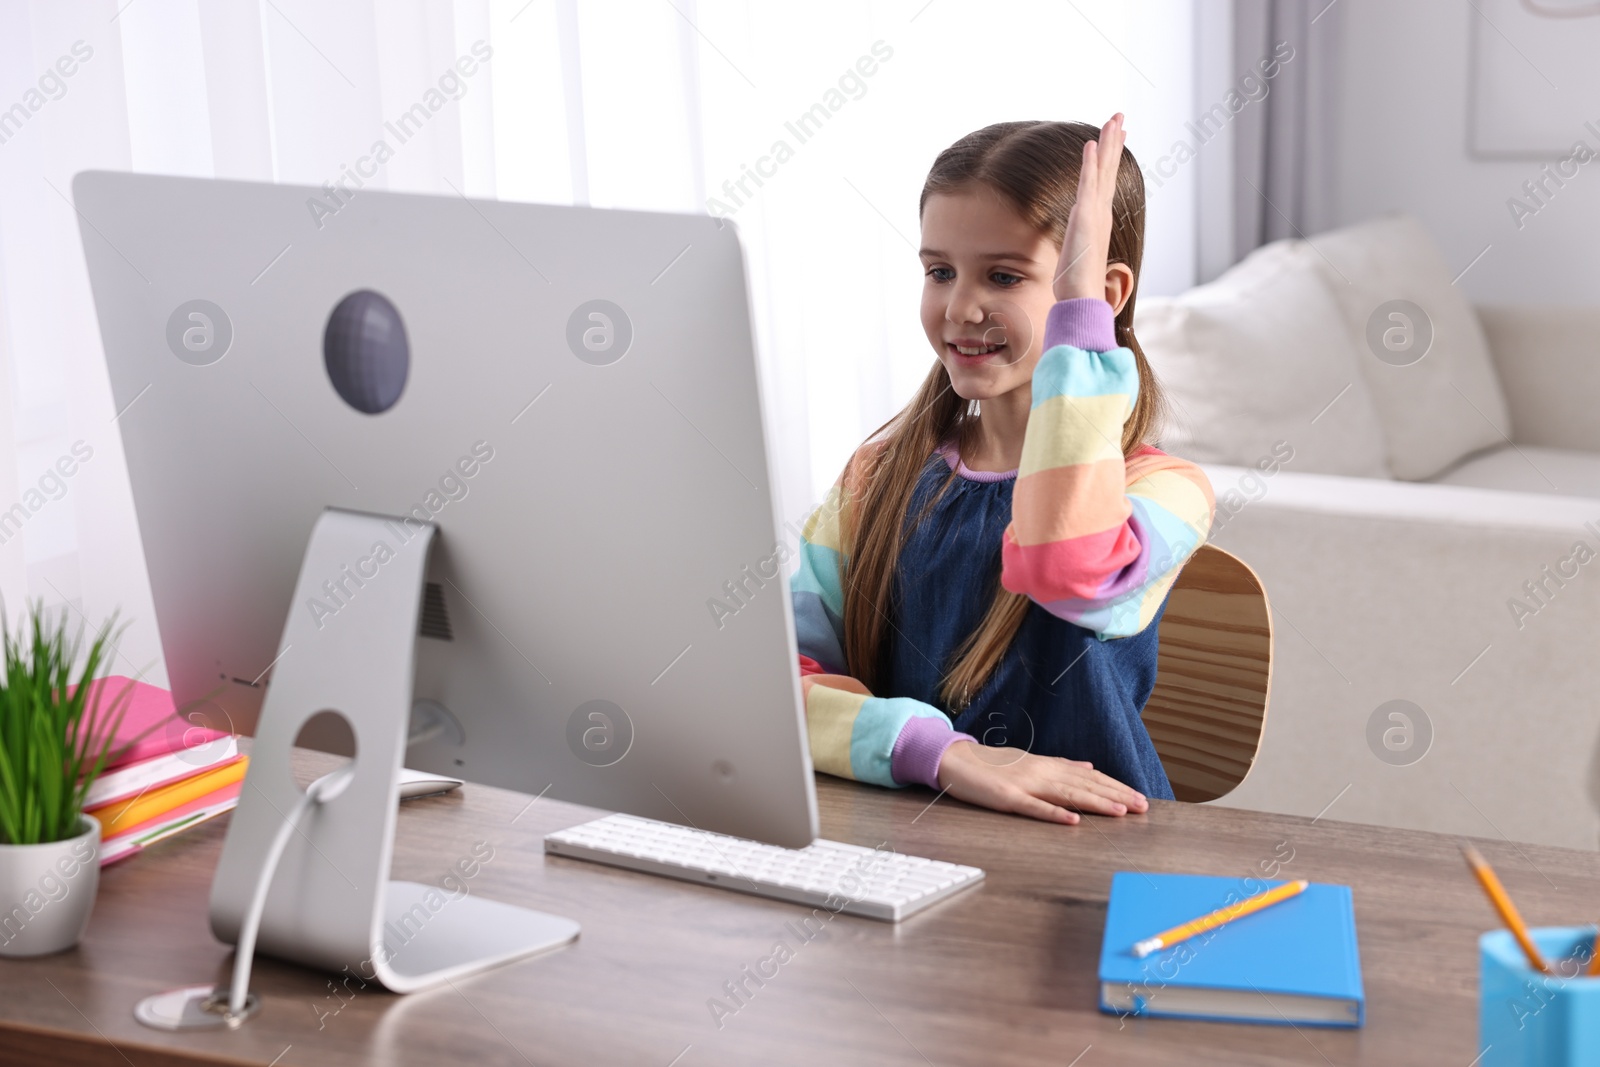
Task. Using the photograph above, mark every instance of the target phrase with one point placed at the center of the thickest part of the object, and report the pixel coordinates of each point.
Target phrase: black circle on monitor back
(366, 352)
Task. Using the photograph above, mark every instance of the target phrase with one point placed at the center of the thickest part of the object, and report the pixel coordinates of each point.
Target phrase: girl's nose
(965, 308)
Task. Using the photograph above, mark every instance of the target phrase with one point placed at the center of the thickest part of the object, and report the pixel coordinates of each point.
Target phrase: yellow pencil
(1168, 938)
(1502, 904)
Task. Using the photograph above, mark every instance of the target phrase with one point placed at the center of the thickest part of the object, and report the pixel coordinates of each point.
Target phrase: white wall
(637, 104)
(1404, 146)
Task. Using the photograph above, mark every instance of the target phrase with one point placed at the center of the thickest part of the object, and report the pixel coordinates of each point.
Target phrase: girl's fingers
(1098, 778)
(1088, 800)
(1112, 136)
(1129, 797)
(1108, 784)
(1115, 789)
(1103, 785)
(1034, 808)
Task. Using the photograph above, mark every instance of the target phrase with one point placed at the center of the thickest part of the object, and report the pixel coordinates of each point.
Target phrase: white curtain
(1272, 176)
(672, 105)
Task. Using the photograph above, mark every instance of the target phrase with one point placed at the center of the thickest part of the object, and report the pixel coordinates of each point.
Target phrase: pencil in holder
(1526, 1018)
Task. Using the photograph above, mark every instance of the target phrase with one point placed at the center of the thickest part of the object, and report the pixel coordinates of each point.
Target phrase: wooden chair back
(1213, 675)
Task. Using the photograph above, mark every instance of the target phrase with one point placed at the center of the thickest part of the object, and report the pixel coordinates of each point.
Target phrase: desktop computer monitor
(566, 400)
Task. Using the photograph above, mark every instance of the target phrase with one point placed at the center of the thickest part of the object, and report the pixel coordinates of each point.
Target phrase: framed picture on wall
(1534, 84)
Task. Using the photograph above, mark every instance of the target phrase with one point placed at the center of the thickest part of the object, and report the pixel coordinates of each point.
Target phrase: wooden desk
(1003, 974)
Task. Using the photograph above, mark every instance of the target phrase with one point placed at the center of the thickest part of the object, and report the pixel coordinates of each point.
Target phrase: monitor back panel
(615, 548)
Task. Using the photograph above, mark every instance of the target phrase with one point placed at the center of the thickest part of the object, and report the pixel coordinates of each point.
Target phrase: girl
(977, 597)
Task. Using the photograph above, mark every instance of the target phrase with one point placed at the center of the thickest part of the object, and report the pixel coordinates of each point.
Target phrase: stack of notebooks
(175, 776)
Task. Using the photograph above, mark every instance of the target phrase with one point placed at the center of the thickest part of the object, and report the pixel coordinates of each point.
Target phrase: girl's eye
(1004, 279)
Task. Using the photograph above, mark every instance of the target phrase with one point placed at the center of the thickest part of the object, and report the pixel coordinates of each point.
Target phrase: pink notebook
(122, 845)
(150, 712)
(189, 807)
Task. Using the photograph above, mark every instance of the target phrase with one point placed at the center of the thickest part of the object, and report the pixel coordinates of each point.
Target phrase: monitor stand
(331, 904)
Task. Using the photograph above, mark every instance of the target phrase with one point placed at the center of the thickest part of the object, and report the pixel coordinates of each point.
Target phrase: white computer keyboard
(874, 883)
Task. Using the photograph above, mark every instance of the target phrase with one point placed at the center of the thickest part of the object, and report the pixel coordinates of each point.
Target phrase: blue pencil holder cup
(1528, 1019)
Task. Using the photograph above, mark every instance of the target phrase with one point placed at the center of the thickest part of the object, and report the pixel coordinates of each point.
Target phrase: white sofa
(1397, 529)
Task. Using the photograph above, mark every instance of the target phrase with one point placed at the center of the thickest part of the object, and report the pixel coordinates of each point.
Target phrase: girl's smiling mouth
(971, 351)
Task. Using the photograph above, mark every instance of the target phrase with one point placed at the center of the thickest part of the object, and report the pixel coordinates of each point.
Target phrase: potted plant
(56, 735)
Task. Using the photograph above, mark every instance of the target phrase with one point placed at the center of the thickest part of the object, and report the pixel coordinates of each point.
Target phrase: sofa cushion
(1262, 355)
(1439, 407)
(1529, 469)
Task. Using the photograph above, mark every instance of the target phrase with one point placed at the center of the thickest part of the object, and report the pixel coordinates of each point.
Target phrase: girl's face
(986, 291)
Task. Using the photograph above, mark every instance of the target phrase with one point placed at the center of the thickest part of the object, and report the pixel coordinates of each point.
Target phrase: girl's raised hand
(1041, 787)
(1087, 242)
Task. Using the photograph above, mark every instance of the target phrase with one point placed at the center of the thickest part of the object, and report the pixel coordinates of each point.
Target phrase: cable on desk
(324, 788)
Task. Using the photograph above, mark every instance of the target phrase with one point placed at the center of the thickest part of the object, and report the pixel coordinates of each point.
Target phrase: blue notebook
(1294, 962)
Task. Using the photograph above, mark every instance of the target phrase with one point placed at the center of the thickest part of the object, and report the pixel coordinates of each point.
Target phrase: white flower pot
(47, 892)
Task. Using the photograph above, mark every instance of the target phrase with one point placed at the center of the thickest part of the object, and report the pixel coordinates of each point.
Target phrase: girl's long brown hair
(1034, 166)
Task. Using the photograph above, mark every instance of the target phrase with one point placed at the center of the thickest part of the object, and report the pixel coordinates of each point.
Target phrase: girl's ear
(1119, 286)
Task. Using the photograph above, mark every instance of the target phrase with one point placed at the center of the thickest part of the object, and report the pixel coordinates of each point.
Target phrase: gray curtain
(1283, 145)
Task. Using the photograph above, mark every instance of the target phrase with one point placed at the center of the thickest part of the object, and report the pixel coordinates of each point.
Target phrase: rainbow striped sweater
(1094, 539)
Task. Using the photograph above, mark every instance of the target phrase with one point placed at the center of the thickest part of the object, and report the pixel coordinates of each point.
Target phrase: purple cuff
(1084, 322)
(918, 749)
